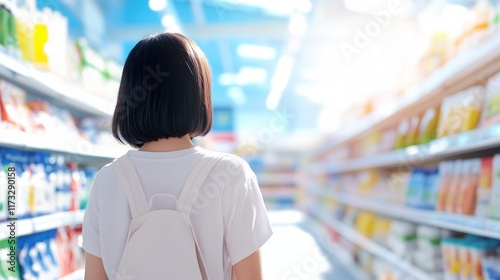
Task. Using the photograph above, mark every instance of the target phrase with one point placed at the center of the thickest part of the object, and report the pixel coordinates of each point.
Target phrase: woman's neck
(168, 145)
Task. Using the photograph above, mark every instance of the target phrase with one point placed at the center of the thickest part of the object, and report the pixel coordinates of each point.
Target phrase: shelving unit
(370, 246)
(328, 161)
(276, 180)
(52, 87)
(40, 142)
(473, 141)
(76, 275)
(43, 223)
(461, 223)
(61, 93)
(469, 68)
(270, 192)
(341, 254)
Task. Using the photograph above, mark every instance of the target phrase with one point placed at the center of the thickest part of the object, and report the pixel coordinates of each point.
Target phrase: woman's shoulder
(106, 174)
(231, 164)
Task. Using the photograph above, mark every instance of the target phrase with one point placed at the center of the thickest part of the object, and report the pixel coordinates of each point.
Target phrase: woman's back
(228, 217)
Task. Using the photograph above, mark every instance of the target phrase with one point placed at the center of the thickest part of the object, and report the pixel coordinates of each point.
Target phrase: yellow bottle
(25, 39)
(41, 36)
(25, 29)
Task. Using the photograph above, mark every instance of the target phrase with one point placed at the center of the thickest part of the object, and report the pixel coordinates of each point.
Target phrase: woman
(163, 102)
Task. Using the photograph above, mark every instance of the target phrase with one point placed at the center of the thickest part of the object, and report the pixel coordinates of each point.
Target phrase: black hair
(165, 91)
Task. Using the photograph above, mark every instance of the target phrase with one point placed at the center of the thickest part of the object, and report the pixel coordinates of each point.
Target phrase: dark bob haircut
(165, 91)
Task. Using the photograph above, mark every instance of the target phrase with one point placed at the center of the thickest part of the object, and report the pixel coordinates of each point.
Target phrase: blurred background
(372, 126)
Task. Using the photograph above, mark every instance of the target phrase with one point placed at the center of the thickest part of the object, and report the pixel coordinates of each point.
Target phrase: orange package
(446, 177)
(466, 199)
(483, 193)
(460, 168)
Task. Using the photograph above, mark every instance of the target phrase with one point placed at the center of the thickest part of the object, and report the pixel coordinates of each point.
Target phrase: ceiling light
(304, 6)
(157, 5)
(256, 52)
(279, 82)
(237, 95)
(251, 75)
(226, 79)
(297, 25)
(168, 20)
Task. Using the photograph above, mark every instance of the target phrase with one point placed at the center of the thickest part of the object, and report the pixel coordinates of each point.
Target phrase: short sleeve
(90, 232)
(247, 226)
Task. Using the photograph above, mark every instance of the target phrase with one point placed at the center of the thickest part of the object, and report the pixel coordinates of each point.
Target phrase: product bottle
(25, 30)
(468, 190)
(41, 35)
(3, 24)
(445, 170)
(74, 187)
(459, 167)
(57, 44)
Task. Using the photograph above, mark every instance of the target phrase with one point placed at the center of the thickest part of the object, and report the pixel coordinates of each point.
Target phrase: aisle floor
(299, 251)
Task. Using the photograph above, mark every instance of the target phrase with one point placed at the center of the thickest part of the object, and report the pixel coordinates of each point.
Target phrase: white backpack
(161, 243)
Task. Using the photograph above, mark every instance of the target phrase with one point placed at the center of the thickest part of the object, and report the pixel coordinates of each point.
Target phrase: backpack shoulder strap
(194, 182)
(129, 180)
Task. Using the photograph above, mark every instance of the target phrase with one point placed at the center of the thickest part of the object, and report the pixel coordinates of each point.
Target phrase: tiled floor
(297, 251)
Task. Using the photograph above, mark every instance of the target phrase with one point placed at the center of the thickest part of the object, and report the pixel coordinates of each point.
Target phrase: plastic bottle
(466, 202)
(3, 24)
(460, 167)
(484, 189)
(495, 189)
(25, 30)
(12, 44)
(74, 187)
(445, 177)
(57, 44)
(41, 36)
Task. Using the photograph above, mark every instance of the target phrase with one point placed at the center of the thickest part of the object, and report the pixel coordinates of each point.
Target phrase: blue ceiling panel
(219, 28)
(137, 13)
(184, 12)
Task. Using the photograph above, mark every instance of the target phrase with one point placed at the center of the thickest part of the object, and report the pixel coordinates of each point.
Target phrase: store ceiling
(245, 40)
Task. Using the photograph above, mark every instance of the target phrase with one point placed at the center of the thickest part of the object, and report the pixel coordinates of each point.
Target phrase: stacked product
(35, 116)
(428, 255)
(471, 257)
(466, 187)
(49, 255)
(441, 254)
(45, 183)
(472, 108)
(451, 31)
(41, 38)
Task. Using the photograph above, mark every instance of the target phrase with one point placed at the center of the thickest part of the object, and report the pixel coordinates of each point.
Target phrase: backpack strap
(188, 196)
(129, 179)
(194, 182)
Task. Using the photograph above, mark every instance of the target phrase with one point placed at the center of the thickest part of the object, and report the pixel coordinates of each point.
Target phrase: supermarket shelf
(467, 69)
(477, 140)
(76, 275)
(461, 223)
(371, 246)
(278, 192)
(52, 87)
(339, 252)
(276, 180)
(77, 147)
(42, 223)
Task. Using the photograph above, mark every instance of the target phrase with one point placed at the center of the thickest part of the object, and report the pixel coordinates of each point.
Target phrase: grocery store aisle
(298, 251)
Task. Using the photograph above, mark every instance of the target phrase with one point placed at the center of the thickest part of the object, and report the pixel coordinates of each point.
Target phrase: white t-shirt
(230, 222)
